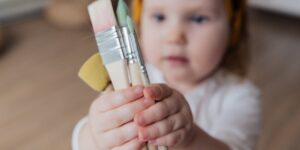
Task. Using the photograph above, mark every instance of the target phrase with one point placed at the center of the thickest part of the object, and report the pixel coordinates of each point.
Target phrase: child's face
(185, 39)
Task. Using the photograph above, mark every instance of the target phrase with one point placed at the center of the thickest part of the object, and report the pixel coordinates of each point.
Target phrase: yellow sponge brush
(94, 73)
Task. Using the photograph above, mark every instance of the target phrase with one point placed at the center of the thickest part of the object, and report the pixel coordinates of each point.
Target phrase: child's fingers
(111, 100)
(157, 112)
(171, 139)
(157, 91)
(162, 128)
(119, 136)
(119, 116)
(132, 145)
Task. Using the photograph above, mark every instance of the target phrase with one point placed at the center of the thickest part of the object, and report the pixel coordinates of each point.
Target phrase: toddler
(200, 98)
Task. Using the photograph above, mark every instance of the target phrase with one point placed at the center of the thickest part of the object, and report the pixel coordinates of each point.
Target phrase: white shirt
(224, 106)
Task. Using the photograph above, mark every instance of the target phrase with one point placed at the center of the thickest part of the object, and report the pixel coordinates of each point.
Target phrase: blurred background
(43, 43)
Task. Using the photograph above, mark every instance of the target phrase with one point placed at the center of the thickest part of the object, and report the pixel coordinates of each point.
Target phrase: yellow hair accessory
(137, 10)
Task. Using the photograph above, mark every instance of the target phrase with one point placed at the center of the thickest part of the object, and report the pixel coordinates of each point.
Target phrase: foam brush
(109, 42)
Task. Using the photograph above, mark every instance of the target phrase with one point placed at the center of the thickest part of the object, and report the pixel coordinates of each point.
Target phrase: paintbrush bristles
(122, 13)
(130, 24)
(102, 15)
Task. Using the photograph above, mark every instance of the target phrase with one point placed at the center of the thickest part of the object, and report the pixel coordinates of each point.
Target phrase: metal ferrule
(110, 44)
(129, 53)
(137, 52)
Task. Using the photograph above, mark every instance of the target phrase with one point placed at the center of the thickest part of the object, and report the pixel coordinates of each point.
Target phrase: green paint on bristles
(130, 24)
(122, 13)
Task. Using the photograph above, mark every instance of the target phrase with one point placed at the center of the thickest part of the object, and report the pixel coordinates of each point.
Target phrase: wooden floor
(41, 97)
(275, 68)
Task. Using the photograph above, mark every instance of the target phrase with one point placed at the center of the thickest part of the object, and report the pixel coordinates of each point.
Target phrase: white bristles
(102, 15)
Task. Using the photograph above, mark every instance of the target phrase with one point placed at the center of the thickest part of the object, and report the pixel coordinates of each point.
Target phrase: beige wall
(12, 8)
(291, 7)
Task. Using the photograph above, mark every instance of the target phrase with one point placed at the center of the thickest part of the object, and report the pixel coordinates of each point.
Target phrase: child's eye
(198, 19)
(159, 17)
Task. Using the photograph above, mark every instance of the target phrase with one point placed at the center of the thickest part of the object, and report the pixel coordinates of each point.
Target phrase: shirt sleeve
(238, 124)
(76, 132)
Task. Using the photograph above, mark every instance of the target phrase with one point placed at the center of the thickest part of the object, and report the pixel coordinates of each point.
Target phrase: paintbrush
(136, 50)
(140, 67)
(134, 68)
(109, 42)
(138, 72)
(126, 28)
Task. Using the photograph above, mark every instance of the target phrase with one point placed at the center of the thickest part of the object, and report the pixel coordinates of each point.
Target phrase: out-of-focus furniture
(275, 69)
(2, 40)
(285, 6)
(68, 13)
(14, 8)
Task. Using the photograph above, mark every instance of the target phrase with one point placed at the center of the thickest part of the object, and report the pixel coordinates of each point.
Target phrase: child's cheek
(150, 45)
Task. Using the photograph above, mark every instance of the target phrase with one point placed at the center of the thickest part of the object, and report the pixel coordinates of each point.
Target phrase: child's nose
(175, 34)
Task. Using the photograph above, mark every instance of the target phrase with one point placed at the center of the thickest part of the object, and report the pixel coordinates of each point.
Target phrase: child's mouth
(176, 60)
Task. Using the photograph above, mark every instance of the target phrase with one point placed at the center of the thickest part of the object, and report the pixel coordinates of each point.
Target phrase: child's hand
(167, 123)
(111, 116)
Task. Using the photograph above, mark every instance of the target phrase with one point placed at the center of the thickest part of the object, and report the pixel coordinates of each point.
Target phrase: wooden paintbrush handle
(118, 74)
(135, 74)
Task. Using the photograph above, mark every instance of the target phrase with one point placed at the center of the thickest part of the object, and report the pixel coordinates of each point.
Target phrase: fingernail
(152, 93)
(138, 90)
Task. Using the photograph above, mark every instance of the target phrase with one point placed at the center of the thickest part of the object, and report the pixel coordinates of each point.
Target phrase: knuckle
(171, 123)
(181, 136)
(154, 131)
(182, 121)
(171, 141)
(160, 113)
(117, 121)
(120, 139)
(189, 126)
(94, 106)
(164, 89)
(127, 94)
(134, 107)
(175, 140)
(163, 129)
(160, 89)
(169, 90)
(187, 115)
(164, 109)
(102, 103)
(117, 98)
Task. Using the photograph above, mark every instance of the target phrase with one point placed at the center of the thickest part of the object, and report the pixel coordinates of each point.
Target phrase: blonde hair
(236, 57)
